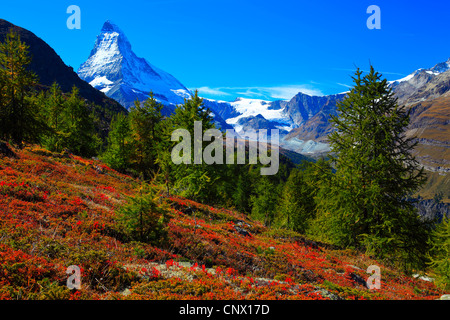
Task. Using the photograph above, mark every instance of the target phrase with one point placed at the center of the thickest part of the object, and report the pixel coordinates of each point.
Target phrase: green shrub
(143, 219)
(99, 272)
(52, 290)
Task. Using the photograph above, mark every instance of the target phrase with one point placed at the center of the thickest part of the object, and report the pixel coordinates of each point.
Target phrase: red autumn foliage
(61, 211)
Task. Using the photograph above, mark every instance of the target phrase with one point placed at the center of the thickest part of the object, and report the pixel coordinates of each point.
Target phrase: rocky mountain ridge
(303, 121)
(113, 68)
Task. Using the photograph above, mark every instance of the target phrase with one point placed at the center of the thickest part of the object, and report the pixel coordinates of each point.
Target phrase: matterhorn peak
(110, 26)
(116, 70)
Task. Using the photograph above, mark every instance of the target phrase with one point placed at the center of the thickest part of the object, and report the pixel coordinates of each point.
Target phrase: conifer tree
(142, 218)
(18, 120)
(297, 205)
(3, 109)
(164, 155)
(440, 254)
(265, 199)
(117, 154)
(367, 202)
(145, 130)
(242, 191)
(79, 131)
(53, 104)
(195, 180)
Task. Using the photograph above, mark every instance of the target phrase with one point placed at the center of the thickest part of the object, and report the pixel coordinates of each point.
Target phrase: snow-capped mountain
(437, 69)
(407, 87)
(306, 117)
(310, 135)
(300, 120)
(258, 114)
(113, 68)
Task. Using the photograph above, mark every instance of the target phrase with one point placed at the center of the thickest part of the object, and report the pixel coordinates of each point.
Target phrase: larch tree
(144, 119)
(118, 151)
(18, 119)
(368, 201)
(194, 180)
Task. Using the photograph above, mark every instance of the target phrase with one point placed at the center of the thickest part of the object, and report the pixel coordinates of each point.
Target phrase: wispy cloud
(211, 91)
(280, 92)
(344, 85)
(382, 72)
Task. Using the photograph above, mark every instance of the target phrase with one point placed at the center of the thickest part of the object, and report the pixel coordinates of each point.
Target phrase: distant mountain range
(412, 90)
(114, 69)
(303, 121)
(115, 77)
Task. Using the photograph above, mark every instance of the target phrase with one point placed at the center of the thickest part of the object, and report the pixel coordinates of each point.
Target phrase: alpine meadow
(138, 187)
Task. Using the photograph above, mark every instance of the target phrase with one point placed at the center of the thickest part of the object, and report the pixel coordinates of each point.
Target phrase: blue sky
(265, 49)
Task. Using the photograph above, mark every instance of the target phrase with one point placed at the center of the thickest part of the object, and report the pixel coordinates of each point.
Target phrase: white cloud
(287, 92)
(210, 91)
(281, 92)
(367, 71)
(344, 85)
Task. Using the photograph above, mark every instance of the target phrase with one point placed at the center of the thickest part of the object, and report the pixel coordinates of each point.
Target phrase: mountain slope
(419, 90)
(409, 89)
(430, 119)
(113, 68)
(302, 121)
(426, 92)
(312, 115)
(49, 68)
(57, 211)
